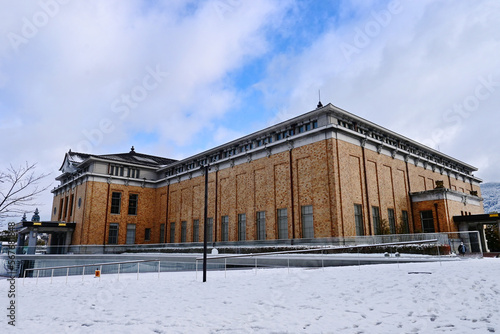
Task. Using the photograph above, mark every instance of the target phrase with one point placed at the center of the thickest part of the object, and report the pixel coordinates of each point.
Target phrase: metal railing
(244, 246)
(319, 249)
(83, 266)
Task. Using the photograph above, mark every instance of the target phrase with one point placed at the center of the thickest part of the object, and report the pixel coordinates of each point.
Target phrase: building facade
(326, 173)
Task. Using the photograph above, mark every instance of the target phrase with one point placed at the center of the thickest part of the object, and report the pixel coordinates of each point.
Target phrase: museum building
(325, 173)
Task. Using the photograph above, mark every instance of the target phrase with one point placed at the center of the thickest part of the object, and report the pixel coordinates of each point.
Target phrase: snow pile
(452, 297)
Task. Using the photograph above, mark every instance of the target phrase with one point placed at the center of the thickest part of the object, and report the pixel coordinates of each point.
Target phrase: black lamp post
(205, 226)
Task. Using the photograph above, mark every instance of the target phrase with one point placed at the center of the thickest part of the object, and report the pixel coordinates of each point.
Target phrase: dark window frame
(307, 216)
(116, 202)
(133, 203)
(427, 220)
(113, 233)
(261, 225)
(225, 228)
(358, 219)
(242, 227)
(282, 220)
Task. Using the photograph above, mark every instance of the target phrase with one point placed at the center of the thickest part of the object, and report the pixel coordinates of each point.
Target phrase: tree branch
(18, 188)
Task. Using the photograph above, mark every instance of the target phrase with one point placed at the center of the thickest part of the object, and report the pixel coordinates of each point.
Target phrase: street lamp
(205, 226)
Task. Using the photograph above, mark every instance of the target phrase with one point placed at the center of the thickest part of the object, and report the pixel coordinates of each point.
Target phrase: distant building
(326, 173)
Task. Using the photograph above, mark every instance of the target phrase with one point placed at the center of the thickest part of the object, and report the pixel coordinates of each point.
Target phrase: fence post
(67, 273)
(255, 265)
(24, 276)
(288, 259)
(83, 273)
(159, 264)
(138, 270)
(359, 261)
(100, 272)
(119, 264)
(322, 260)
(51, 275)
(37, 274)
(196, 265)
(225, 267)
(439, 254)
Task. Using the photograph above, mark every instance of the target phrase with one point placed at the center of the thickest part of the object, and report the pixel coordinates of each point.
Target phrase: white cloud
(59, 84)
(429, 57)
(60, 89)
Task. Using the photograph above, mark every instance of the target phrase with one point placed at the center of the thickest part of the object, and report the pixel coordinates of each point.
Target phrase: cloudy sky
(176, 77)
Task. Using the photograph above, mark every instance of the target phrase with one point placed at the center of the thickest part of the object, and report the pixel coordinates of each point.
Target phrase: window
(71, 205)
(55, 210)
(147, 234)
(183, 231)
(65, 207)
(113, 234)
(427, 221)
(172, 233)
(132, 204)
(79, 202)
(358, 219)
(307, 222)
(196, 230)
(116, 199)
(242, 226)
(404, 221)
(282, 224)
(133, 173)
(130, 234)
(162, 233)
(116, 170)
(392, 221)
(225, 228)
(61, 202)
(376, 220)
(210, 229)
(261, 225)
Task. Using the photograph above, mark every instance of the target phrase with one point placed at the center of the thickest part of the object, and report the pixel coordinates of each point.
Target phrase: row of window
(65, 204)
(130, 237)
(426, 218)
(378, 227)
(399, 144)
(116, 201)
(244, 147)
(282, 227)
(120, 171)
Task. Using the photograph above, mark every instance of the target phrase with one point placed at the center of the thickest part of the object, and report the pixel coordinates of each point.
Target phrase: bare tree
(18, 189)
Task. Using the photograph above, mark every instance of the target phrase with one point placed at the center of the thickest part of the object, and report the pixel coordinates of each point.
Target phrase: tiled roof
(130, 157)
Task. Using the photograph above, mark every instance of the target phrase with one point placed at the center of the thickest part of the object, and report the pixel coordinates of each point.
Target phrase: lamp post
(205, 226)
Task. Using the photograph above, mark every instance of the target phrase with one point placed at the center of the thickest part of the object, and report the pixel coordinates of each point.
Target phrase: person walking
(462, 249)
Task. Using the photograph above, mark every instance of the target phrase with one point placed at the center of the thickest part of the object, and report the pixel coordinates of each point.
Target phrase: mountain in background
(491, 194)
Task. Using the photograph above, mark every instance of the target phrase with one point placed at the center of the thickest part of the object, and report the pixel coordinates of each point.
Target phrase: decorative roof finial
(320, 105)
(36, 217)
(132, 149)
(24, 218)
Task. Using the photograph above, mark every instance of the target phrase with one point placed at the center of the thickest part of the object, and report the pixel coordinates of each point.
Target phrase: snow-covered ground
(451, 297)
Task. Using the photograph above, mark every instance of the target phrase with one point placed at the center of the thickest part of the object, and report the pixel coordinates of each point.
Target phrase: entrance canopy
(477, 222)
(491, 218)
(60, 236)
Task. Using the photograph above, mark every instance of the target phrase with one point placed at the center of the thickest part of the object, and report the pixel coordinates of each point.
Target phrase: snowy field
(452, 297)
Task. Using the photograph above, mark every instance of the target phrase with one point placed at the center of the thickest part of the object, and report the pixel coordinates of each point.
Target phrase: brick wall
(331, 175)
